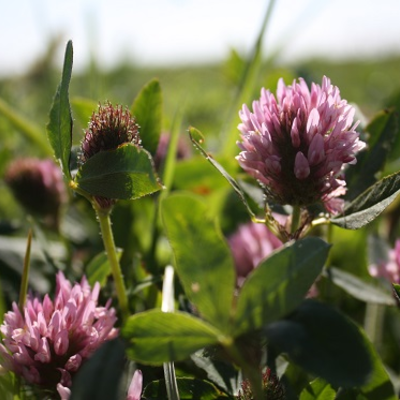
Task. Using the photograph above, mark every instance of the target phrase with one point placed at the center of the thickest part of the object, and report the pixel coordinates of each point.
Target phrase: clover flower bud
(39, 187)
(109, 128)
(272, 388)
(297, 144)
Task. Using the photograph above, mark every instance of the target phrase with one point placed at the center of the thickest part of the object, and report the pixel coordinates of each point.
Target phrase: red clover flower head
(48, 341)
(38, 186)
(297, 144)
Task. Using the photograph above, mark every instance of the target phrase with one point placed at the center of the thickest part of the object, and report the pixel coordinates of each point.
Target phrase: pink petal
(135, 388)
(301, 166)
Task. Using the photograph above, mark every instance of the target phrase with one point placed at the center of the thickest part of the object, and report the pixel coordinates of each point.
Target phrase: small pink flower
(49, 340)
(297, 144)
(388, 269)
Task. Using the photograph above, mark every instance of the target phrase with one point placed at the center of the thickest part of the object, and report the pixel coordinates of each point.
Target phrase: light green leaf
(318, 389)
(156, 337)
(279, 284)
(59, 128)
(204, 262)
(124, 173)
(147, 110)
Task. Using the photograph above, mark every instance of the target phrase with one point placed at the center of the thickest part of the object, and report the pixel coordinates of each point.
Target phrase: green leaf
(325, 343)
(59, 128)
(99, 268)
(125, 173)
(189, 389)
(147, 110)
(156, 337)
(318, 389)
(204, 262)
(197, 138)
(379, 386)
(99, 377)
(358, 288)
(383, 130)
(368, 205)
(279, 284)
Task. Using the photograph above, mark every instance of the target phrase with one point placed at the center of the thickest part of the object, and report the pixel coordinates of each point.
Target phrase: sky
(168, 32)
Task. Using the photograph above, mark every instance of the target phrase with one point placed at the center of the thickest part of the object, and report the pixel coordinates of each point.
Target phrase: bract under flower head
(297, 144)
(47, 343)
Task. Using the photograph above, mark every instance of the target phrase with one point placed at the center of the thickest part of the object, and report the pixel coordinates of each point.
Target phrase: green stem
(25, 274)
(249, 371)
(109, 245)
(295, 219)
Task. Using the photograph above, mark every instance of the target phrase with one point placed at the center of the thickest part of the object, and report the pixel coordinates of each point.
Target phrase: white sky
(192, 31)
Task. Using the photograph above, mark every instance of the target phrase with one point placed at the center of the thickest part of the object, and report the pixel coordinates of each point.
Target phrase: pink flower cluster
(390, 269)
(297, 144)
(47, 343)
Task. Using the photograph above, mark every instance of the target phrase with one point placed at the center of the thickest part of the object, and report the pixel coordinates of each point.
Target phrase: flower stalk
(109, 245)
(25, 273)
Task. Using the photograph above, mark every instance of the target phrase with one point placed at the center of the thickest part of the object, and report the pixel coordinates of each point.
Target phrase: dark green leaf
(59, 128)
(367, 206)
(99, 377)
(204, 262)
(358, 288)
(124, 173)
(318, 390)
(197, 138)
(383, 131)
(156, 337)
(189, 389)
(279, 284)
(99, 268)
(147, 110)
(325, 343)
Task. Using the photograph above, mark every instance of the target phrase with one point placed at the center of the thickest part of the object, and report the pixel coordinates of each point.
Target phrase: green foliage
(99, 377)
(369, 204)
(156, 337)
(99, 269)
(324, 342)
(124, 173)
(59, 128)
(383, 130)
(318, 389)
(278, 285)
(147, 110)
(203, 261)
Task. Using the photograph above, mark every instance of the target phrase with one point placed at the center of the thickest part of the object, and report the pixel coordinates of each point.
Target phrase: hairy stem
(109, 245)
